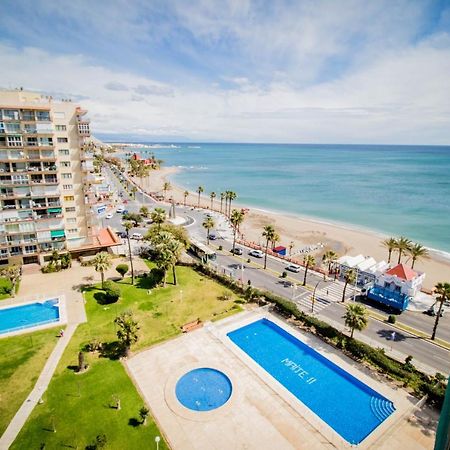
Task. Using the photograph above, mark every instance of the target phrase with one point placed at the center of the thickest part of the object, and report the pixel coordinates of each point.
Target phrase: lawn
(21, 361)
(5, 283)
(78, 406)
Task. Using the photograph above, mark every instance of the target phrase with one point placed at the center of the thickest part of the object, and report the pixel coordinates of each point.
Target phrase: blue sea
(393, 190)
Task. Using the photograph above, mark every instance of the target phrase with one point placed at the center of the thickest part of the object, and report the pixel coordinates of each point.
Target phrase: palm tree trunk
(211, 204)
(234, 239)
(221, 204)
(103, 278)
(413, 261)
(265, 256)
(198, 204)
(164, 279)
(399, 256)
(389, 256)
(207, 236)
(306, 273)
(174, 273)
(438, 315)
(351, 334)
(131, 259)
(343, 292)
(185, 202)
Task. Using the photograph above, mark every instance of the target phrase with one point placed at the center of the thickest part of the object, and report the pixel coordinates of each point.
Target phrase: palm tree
(391, 245)
(208, 223)
(144, 211)
(350, 277)
(158, 216)
(276, 238)
(309, 261)
(133, 191)
(356, 317)
(237, 217)
(127, 332)
(268, 233)
(199, 191)
(101, 263)
(417, 251)
(186, 193)
(175, 247)
(291, 246)
(212, 196)
(402, 246)
(128, 226)
(443, 292)
(231, 196)
(222, 198)
(329, 258)
(166, 187)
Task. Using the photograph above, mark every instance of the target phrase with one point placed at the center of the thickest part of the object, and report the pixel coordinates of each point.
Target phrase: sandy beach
(304, 232)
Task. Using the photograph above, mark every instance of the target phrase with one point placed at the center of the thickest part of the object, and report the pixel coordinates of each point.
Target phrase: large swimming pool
(346, 404)
(30, 315)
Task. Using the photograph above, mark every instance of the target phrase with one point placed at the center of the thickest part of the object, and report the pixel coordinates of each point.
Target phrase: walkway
(40, 387)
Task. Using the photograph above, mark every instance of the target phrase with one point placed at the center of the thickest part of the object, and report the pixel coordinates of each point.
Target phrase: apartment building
(46, 172)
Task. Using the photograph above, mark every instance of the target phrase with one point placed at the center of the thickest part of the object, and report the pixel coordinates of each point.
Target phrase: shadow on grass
(73, 368)
(150, 280)
(112, 350)
(102, 299)
(134, 422)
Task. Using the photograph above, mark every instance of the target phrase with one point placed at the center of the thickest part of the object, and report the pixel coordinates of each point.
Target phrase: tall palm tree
(158, 216)
(443, 292)
(222, 198)
(391, 245)
(165, 258)
(417, 251)
(101, 263)
(276, 238)
(328, 258)
(268, 233)
(186, 193)
(208, 224)
(212, 196)
(291, 246)
(349, 277)
(356, 317)
(127, 331)
(309, 261)
(231, 196)
(175, 247)
(237, 217)
(199, 191)
(402, 246)
(166, 187)
(128, 226)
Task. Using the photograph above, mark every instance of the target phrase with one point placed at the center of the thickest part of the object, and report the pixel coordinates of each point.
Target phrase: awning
(57, 233)
(54, 210)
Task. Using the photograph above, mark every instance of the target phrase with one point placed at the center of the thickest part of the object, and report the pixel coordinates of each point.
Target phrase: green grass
(5, 283)
(21, 361)
(78, 405)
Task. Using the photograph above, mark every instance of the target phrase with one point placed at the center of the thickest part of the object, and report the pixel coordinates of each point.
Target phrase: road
(328, 294)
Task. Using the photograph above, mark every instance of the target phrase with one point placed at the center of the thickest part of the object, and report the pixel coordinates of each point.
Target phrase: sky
(287, 71)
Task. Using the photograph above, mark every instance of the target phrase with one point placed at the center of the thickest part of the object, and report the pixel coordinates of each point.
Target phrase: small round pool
(203, 389)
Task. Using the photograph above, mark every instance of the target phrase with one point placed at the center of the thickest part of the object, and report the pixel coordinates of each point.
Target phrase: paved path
(40, 387)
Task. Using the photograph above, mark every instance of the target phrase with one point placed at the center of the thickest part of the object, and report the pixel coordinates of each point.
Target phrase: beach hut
(280, 250)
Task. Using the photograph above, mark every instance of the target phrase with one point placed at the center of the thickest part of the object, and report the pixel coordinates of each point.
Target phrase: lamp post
(313, 299)
(157, 439)
(356, 284)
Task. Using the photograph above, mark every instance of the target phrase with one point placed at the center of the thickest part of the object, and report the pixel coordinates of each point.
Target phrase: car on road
(122, 234)
(109, 216)
(432, 311)
(256, 253)
(293, 268)
(212, 237)
(125, 211)
(120, 209)
(237, 251)
(137, 236)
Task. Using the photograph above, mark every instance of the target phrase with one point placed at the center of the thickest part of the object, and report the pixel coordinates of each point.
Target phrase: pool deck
(261, 413)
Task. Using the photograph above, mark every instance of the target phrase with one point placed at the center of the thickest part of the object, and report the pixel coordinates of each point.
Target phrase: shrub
(51, 267)
(112, 292)
(392, 318)
(122, 269)
(284, 274)
(220, 248)
(5, 286)
(66, 261)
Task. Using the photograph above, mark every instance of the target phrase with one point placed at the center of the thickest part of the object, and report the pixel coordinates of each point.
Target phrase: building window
(60, 128)
(27, 115)
(14, 141)
(72, 220)
(67, 187)
(63, 140)
(30, 128)
(64, 163)
(47, 142)
(67, 175)
(11, 114)
(63, 151)
(69, 198)
(59, 115)
(12, 127)
(72, 230)
(70, 209)
(32, 142)
(42, 115)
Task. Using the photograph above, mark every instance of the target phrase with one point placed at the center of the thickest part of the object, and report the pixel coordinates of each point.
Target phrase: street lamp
(313, 299)
(356, 284)
(157, 439)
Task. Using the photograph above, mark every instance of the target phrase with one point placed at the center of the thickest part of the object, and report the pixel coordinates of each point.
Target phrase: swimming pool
(347, 405)
(30, 315)
(203, 389)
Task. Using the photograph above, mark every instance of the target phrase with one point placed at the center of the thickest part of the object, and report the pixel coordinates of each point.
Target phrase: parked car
(120, 209)
(256, 253)
(212, 237)
(122, 234)
(237, 251)
(432, 311)
(109, 216)
(293, 268)
(125, 211)
(137, 236)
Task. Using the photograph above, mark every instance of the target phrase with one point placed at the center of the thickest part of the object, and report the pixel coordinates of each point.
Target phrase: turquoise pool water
(203, 389)
(347, 405)
(21, 317)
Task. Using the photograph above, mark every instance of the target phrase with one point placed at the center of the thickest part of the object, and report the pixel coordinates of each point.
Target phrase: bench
(190, 326)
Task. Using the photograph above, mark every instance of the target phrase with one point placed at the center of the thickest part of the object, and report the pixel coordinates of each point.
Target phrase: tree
(391, 245)
(402, 246)
(329, 257)
(309, 261)
(231, 196)
(208, 224)
(291, 246)
(236, 218)
(166, 187)
(128, 226)
(101, 263)
(133, 191)
(12, 273)
(144, 212)
(222, 198)
(268, 233)
(122, 269)
(186, 193)
(443, 292)
(199, 191)
(158, 216)
(133, 217)
(143, 414)
(350, 277)
(276, 238)
(212, 196)
(356, 317)
(175, 247)
(127, 332)
(416, 252)
(177, 231)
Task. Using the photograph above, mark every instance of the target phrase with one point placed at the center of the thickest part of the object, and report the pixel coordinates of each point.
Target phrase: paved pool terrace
(261, 413)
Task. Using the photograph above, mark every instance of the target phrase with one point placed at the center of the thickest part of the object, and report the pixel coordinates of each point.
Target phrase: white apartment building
(45, 178)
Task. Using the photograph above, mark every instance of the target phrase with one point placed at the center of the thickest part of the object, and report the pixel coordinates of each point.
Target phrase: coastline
(305, 231)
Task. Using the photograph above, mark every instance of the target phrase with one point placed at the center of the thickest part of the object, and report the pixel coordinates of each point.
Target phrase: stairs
(381, 408)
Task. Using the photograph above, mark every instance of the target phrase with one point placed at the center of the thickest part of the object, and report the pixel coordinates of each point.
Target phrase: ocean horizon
(391, 190)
